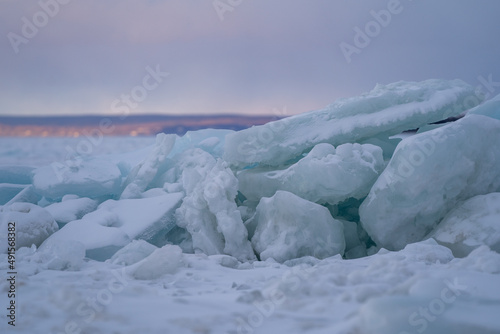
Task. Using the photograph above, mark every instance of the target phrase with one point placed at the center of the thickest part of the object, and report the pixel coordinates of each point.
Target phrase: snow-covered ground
(348, 230)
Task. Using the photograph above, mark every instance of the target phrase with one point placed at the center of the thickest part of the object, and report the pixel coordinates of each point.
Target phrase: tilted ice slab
(141, 176)
(86, 178)
(429, 174)
(474, 223)
(32, 225)
(115, 223)
(490, 108)
(387, 109)
(325, 175)
(209, 212)
(290, 227)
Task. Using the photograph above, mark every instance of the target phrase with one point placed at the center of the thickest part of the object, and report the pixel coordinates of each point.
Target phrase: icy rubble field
(324, 222)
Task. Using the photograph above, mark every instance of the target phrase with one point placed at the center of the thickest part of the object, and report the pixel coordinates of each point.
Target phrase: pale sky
(233, 56)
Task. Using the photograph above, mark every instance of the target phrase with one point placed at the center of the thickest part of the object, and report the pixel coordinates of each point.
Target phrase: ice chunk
(15, 174)
(27, 195)
(134, 252)
(290, 227)
(62, 254)
(429, 174)
(142, 175)
(9, 191)
(474, 223)
(209, 212)
(115, 223)
(490, 108)
(71, 209)
(325, 175)
(162, 261)
(354, 248)
(32, 225)
(387, 109)
(90, 178)
(209, 140)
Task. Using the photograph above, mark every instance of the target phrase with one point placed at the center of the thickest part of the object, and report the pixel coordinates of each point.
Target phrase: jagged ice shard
(387, 109)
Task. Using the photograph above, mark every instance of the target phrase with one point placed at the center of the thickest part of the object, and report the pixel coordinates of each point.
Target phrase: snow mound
(474, 223)
(33, 225)
(325, 175)
(387, 109)
(429, 174)
(290, 227)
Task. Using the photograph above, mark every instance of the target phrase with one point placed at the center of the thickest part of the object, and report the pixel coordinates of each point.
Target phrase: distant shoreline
(132, 125)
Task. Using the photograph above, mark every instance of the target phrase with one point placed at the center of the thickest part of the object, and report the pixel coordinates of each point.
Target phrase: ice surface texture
(209, 212)
(116, 223)
(33, 225)
(325, 175)
(387, 109)
(289, 227)
(474, 223)
(88, 178)
(429, 174)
